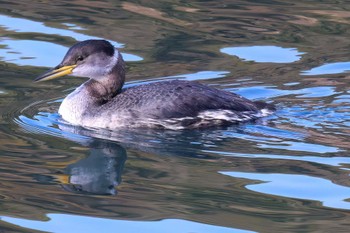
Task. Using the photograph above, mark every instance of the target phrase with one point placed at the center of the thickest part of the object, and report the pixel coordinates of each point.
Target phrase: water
(288, 172)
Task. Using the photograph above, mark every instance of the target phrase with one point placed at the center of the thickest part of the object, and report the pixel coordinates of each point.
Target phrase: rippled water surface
(288, 172)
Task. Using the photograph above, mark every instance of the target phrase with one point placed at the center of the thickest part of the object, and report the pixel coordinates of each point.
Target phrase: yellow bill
(63, 178)
(55, 73)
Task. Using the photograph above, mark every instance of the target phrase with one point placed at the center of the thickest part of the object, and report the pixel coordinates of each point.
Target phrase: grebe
(101, 102)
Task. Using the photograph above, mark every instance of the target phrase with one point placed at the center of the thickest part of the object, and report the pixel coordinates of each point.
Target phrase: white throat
(74, 105)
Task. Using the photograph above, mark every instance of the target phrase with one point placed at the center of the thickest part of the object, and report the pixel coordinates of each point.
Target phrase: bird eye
(80, 58)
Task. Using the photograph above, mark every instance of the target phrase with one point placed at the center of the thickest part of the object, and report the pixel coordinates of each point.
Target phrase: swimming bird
(101, 102)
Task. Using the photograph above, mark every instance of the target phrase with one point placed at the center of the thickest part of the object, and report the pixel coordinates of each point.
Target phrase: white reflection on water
(331, 68)
(258, 92)
(273, 54)
(32, 53)
(73, 26)
(332, 161)
(201, 75)
(39, 53)
(301, 146)
(68, 223)
(298, 186)
(25, 25)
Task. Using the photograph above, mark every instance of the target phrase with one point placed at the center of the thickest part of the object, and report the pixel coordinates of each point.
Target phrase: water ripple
(298, 186)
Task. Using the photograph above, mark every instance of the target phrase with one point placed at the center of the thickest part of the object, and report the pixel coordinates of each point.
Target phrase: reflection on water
(26, 52)
(198, 76)
(97, 174)
(261, 92)
(334, 161)
(298, 186)
(68, 223)
(272, 54)
(20, 25)
(333, 68)
(288, 172)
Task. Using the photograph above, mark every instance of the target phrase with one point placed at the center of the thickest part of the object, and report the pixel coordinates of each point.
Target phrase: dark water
(285, 173)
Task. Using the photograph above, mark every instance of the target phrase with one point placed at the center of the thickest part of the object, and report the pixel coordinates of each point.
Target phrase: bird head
(89, 58)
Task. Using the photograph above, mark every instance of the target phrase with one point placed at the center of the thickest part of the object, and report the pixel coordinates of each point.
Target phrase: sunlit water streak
(298, 186)
(273, 54)
(332, 161)
(331, 68)
(26, 52)
(25, 25)
(68, 223)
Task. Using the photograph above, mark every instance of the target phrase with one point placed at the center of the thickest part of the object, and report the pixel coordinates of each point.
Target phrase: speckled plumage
(176, 104)
(176, 99)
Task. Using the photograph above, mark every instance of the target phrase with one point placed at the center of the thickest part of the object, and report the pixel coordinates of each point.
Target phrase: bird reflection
(101, 171)
(97, 174)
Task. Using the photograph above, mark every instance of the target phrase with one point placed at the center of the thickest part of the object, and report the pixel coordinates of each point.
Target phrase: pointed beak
(63, 178)
(55, 73)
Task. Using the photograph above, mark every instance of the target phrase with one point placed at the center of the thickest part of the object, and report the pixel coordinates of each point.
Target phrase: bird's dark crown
(82, 50)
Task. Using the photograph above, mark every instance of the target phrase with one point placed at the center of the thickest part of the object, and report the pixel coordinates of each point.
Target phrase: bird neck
(105, 88)
(93, 93)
